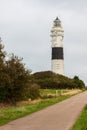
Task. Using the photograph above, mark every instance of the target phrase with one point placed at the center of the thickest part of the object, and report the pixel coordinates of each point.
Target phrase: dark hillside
(48, 79)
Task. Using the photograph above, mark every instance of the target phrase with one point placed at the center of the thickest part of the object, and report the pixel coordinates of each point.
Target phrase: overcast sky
(25, 30)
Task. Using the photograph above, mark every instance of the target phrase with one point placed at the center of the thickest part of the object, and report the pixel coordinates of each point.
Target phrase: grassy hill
(50, 80)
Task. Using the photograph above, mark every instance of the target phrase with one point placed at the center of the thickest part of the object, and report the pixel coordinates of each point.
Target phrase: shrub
(15, 79)
(34, 91)
(50, 80)
(79, 83)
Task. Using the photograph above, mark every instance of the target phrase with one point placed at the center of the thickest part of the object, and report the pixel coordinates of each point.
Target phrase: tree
(2, 55)
(79, 83)
(18, 78)
(15, 79)
(3, 75)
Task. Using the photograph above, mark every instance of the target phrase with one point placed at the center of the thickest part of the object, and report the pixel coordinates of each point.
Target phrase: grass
(25, 108)
(58, 92)
(12, 113)
(81, 123)
(45, 92)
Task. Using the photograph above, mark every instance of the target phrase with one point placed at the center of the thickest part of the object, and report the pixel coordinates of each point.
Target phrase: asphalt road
(60, 116)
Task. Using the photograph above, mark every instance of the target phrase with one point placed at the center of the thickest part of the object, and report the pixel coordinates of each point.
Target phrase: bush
(79, 83)
(50, 80)
(15, 79)
(34, 91)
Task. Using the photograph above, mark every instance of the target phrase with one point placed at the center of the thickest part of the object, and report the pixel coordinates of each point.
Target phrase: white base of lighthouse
(57, 66)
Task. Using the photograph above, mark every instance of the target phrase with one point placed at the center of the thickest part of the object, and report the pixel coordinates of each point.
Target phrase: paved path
(60, 116)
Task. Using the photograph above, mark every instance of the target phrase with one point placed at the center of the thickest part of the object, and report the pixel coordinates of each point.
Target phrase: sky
(25, 27)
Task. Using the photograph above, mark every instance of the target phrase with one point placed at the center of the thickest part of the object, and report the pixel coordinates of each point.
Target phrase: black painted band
(57, 53)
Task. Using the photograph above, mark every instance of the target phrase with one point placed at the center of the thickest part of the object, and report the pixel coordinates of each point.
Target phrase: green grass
(12, 113)
(81, 123)
(45, 92)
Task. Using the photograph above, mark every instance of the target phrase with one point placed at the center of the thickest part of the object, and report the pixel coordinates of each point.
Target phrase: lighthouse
(57, 57)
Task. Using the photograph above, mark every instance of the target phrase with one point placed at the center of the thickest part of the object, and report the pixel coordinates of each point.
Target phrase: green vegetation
(81, 123)
(52, 92)
(50, 80)
(11, 113)
(24, 108)
(15, 79)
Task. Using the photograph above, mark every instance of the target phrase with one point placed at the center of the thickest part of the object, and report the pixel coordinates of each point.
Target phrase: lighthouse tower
(57, 34)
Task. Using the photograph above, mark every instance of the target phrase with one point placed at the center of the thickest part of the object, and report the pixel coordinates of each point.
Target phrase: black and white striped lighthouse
(57, 34)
